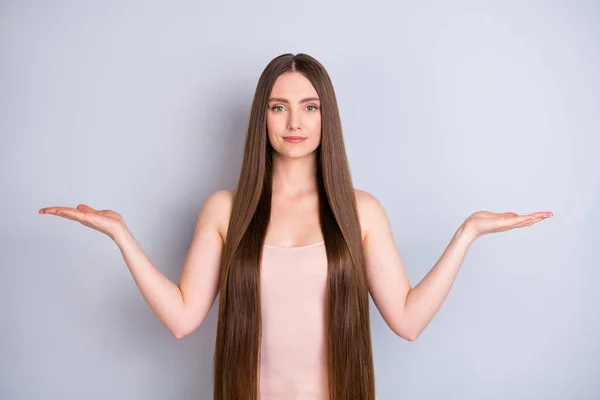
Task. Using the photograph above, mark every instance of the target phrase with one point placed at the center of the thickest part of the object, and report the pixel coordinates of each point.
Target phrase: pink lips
(294, 139)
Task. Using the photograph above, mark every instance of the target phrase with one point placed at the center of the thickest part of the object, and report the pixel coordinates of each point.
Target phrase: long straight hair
(348, 333)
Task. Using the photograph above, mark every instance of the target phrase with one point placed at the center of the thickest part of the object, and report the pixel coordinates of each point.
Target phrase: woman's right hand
(106, 221)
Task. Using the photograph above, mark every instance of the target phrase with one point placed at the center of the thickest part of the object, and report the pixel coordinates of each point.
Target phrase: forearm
(162, 295)
(426, 298)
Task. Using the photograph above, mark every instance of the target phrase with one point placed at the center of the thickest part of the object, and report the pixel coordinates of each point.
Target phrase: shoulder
(366, 202)
(370, 211)
(219, 204)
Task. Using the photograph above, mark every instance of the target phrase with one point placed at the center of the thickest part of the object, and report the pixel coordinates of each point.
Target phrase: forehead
(293, 85)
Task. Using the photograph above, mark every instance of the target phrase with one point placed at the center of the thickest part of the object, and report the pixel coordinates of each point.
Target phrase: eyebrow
(279, 99)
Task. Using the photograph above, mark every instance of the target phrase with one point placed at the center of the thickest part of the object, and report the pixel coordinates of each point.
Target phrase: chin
(295, 153)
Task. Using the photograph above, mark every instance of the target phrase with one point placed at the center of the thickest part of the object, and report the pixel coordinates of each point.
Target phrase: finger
(510, 214)
(530, 222)
(546, 214)
(51, 210)
(534, 221)
(71, 213)
(542, 217)
(516, 222)
(535, 215)
(516, 219)
(54, 210)
(83, 207)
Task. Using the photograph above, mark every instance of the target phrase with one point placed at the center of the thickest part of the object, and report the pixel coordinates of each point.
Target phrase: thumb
(83, 207)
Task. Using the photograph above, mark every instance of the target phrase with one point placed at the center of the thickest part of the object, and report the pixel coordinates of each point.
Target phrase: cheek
(274, 124)
(271, 128)
(315, 126)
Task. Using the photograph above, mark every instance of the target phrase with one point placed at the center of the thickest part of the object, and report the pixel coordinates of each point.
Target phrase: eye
(313, 107)
(273, 108)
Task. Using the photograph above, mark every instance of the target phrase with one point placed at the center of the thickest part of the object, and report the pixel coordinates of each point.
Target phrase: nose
(293, 121)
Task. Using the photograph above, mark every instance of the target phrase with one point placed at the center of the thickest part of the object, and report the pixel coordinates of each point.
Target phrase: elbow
(179, 331)
(411, 337)
(180, 326)
(185, 326)
(178, 334)
(183, 329)
(406, 331)
(406, 334)
(406, 327)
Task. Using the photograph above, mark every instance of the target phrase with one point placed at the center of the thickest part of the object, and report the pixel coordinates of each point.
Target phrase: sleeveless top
(293, 361)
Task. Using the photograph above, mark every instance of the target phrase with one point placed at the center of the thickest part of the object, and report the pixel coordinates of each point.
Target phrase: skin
(294, 222)
(295, 214)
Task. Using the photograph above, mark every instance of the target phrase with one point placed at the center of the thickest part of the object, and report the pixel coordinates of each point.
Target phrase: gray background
(142, 107)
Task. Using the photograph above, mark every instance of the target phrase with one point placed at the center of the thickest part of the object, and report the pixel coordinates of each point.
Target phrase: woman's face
(294, 110)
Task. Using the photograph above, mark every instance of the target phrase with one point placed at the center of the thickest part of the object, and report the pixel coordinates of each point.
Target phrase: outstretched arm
(408, 311)
(181, 308)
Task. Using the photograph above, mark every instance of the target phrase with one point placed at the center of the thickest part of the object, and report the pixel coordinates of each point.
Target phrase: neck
(294, 176)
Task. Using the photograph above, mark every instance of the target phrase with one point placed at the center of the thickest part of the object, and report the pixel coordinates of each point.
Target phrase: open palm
(106, 221)
(485, 222)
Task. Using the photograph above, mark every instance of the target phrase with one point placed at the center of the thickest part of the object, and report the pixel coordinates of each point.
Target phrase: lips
(294, 139)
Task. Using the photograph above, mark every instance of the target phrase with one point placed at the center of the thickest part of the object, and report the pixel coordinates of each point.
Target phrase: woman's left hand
(484, 222)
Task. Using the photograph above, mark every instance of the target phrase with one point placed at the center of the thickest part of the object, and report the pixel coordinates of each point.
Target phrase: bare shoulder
(366, 202)
(370, 211)
(220, 204)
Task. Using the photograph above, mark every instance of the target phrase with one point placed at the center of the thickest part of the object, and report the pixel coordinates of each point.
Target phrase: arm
(426, 298)
(387, 279)
(182, 308)
(407, 311)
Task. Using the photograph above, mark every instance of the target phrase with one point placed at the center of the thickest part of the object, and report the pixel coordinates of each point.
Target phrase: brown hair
(348, 334)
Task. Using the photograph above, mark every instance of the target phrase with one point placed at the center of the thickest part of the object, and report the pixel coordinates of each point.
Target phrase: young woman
(295, 252)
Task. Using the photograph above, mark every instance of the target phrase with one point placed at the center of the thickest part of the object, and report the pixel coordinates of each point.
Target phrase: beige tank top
(293, 363)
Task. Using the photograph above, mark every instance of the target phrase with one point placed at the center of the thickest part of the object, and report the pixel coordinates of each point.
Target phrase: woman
(295, 251)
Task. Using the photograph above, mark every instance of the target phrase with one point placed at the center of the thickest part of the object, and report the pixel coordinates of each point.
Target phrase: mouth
(294, 139)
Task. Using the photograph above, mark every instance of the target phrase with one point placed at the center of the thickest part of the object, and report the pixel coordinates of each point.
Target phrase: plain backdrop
(448, 108)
